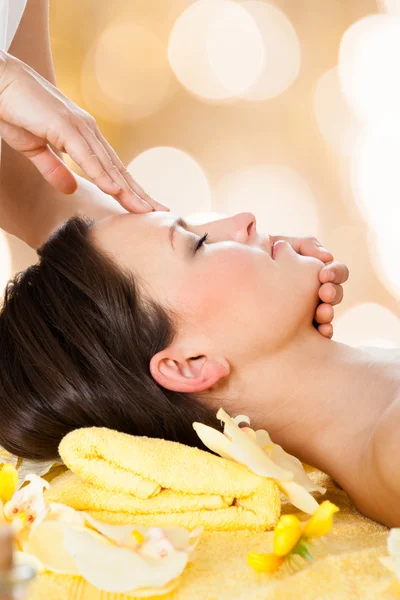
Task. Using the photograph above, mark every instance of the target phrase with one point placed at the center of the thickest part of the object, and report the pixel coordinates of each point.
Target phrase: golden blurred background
(289, 109)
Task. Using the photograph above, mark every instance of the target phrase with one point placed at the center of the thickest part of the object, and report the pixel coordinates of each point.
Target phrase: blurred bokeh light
(336, 121)
(368, 324)
(368, 68)
(390, 6)
(281, 51)
(376, 180)
(216, 49)
(115, 71)
(174, 178)
(384, 249)
(280, 199)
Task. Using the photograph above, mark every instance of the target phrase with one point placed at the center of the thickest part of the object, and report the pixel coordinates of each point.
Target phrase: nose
(243, 227)
(238, 228)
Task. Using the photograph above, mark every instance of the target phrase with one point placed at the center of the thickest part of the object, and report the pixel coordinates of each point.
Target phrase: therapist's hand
(332, 275)
(35, 116)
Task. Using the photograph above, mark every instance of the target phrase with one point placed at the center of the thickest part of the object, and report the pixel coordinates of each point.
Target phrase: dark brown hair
(76, 339)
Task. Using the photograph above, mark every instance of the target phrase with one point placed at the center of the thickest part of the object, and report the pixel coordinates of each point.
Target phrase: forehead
(130, 233)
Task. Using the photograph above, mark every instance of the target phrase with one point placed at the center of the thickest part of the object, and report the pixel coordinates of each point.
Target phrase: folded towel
(119, 478)
(347, 566)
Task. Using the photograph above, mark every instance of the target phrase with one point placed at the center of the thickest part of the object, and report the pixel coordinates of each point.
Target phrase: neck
(317, 398)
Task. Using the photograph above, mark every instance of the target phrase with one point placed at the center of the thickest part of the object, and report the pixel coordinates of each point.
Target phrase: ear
(193, 374)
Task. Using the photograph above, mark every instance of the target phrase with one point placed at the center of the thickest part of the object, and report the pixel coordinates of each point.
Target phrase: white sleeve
(15, 11)
(3, 23)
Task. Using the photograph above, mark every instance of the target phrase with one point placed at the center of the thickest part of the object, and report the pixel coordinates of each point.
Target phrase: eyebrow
(172, 230)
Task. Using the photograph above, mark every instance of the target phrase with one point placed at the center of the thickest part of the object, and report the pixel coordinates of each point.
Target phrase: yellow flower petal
(137, 536)
(321, 521)
(287, 534)
(264, 563)
(8, 482)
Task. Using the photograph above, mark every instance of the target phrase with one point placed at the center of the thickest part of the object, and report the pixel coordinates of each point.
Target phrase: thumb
(53, 169)
(311, 247)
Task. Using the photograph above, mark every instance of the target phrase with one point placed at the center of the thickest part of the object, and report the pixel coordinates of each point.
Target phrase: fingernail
(330, 276)
(162, 206)
(146, 205)
(322, 249)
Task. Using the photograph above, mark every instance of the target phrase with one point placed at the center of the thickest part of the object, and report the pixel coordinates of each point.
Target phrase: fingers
(83, 146)
(331, 293)
(52, 168)
(326, 330)
(54, 171)
(324, 314)
(125, 195)
(80, 152)
(307, 246)
(131, 183)
(335, 272)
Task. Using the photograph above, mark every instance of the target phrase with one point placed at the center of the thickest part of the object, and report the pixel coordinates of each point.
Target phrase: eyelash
(201, 241)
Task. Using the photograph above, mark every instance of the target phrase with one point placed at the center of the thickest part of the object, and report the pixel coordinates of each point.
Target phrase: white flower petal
(214, 440)
(46, 543)
(263, 438)
(293, 464)
(114, 569)
(62, 512)
(181, 538)
(23, 558)
(245, 450)
(29, 499)
(393, 542)
(29, 467)
(298, 496)
(120, 534)
(241, 419)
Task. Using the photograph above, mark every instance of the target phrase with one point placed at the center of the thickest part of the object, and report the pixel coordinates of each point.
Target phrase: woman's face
(231, 296)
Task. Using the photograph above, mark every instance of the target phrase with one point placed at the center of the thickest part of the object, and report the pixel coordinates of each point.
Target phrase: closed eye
(201, 241)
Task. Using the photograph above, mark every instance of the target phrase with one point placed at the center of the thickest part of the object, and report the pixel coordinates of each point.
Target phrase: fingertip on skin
(327, 276)
(326, 330)
(160, 206)
(327, 293)
(132, 202)
(324, 313)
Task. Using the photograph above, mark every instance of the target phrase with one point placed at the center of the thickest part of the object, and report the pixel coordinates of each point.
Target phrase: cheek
(234, 286)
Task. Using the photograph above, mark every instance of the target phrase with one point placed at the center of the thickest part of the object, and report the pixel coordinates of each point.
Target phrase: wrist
(5, 60)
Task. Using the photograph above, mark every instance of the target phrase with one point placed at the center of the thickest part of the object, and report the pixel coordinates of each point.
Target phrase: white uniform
(11, 12)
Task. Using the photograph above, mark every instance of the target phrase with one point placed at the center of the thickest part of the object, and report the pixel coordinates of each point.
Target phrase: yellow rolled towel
(121, 478)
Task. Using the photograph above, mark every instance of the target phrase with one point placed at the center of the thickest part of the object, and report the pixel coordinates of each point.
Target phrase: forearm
(21, 185)
(29, 207)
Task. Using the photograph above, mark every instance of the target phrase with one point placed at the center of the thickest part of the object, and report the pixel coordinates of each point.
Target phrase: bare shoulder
(383, 468)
